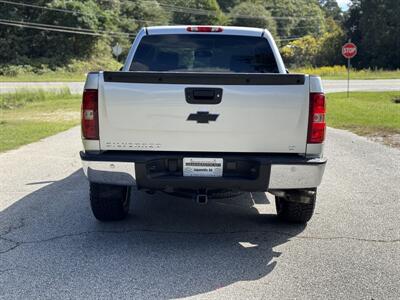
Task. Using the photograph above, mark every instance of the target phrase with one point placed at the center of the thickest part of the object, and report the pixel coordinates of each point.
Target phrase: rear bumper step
(163, 171)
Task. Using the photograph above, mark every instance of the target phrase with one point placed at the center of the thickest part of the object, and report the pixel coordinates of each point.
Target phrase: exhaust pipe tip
(202, 199)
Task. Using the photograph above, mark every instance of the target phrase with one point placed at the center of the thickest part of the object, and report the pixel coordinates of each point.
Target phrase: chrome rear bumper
(284, 175)
(119, 173)
(296, 176)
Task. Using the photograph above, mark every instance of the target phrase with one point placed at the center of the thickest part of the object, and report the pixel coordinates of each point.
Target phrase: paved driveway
(332, 86)
(52, 247)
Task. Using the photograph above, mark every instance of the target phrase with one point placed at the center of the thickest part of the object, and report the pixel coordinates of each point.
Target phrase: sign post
(349, 50)
(117, 50)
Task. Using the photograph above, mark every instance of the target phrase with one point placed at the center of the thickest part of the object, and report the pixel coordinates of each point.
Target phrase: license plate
(202, 167)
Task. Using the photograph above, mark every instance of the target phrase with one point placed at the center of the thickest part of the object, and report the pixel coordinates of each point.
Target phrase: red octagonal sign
(349, 50)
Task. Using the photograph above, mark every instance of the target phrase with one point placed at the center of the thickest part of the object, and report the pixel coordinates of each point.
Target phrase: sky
(343, 4)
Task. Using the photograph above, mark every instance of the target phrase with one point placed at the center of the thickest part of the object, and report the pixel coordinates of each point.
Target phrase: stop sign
(349, 50)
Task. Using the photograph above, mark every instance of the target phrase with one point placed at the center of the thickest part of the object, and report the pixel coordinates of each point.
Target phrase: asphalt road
(330, 86)
(52, 247)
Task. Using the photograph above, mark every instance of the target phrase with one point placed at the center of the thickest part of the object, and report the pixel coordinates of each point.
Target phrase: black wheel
(109, 202)
(292, 210)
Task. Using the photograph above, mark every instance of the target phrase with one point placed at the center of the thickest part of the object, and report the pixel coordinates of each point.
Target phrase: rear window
(204, 53)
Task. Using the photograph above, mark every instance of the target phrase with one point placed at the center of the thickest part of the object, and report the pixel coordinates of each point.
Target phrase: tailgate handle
(203, 95)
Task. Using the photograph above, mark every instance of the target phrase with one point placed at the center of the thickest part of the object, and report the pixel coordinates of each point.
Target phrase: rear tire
(293, 210)
(109, 202)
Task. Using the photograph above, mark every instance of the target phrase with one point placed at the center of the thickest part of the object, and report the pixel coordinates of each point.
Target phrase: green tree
(251, 14)
(227, 5)
(332, 9)
(33, 46)
(330, 45)
(195, 12)
(132, 15)
(374, 26)
(297, 18)
(64, 46)
(144, 13)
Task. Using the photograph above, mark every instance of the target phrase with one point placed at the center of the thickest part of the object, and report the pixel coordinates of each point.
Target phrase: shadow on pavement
(169, 247)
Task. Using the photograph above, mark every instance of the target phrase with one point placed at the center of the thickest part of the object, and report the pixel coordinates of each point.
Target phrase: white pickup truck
(205, 111)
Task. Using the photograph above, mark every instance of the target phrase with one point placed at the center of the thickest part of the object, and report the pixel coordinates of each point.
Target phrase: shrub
(313, 51)
(323, 71)
(301, 52)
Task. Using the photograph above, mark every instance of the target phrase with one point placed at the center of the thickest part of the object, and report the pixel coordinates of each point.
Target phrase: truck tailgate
(257, 112)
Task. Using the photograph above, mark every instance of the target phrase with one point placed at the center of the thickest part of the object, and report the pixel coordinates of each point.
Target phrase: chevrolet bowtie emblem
(202, 117)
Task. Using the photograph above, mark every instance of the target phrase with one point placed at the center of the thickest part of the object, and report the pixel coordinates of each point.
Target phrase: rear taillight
(90, 119)
(204, 29)
(316, 123)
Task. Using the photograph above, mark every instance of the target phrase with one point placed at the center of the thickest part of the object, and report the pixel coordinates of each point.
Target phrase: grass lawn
(46, 77)
(366, 113)
(340, 72)
(26, 117)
